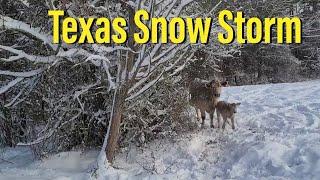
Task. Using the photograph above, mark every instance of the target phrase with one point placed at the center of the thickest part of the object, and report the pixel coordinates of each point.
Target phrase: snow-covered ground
(277, 136)
(20, 164)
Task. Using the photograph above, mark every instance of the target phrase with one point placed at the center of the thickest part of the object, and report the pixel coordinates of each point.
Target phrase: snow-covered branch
(103, 49)
(12, 24)
(72, 54)
(10, 85)
(21, 54)
(146, 87)
(21, 74)
(149, 72)
(58, 125)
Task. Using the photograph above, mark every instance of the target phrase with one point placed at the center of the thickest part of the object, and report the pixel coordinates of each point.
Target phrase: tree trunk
(115, 121)
(120, 96)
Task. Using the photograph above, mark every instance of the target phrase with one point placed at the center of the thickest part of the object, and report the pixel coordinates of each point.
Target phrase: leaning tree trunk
(115, 120)
(122, 92)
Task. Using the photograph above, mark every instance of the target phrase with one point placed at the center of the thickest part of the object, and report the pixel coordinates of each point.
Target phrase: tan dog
(204, 97)
(226, 110)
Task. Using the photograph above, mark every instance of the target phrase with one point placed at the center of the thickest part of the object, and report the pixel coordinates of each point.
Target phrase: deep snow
(277, 136)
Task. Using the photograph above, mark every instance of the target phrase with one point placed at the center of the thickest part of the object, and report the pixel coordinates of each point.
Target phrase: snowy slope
(277, 137)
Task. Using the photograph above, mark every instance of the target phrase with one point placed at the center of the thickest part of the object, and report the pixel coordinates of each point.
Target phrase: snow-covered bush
(161, 112)
(64, 92)
(13, 130)
(260, 64)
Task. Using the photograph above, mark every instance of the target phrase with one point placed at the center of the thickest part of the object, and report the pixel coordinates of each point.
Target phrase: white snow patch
(21, 164)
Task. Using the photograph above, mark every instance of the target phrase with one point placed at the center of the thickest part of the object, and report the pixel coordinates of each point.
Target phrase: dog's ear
(210, 84)
(225, 83)
(238, 104)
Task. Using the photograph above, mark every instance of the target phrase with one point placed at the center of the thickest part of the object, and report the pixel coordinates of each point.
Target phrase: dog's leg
(224, 122)
(232, 122)
(198, 114)
(211, 119)
(218, 117)
(203, 117)
(218, 114)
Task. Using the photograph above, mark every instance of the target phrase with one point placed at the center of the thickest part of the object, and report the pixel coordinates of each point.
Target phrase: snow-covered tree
(126, 70)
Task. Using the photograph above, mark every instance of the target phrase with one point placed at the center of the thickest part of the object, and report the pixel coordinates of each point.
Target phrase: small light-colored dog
(226, 110)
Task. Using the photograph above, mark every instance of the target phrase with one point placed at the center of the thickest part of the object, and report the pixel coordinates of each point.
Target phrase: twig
(6, 161)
